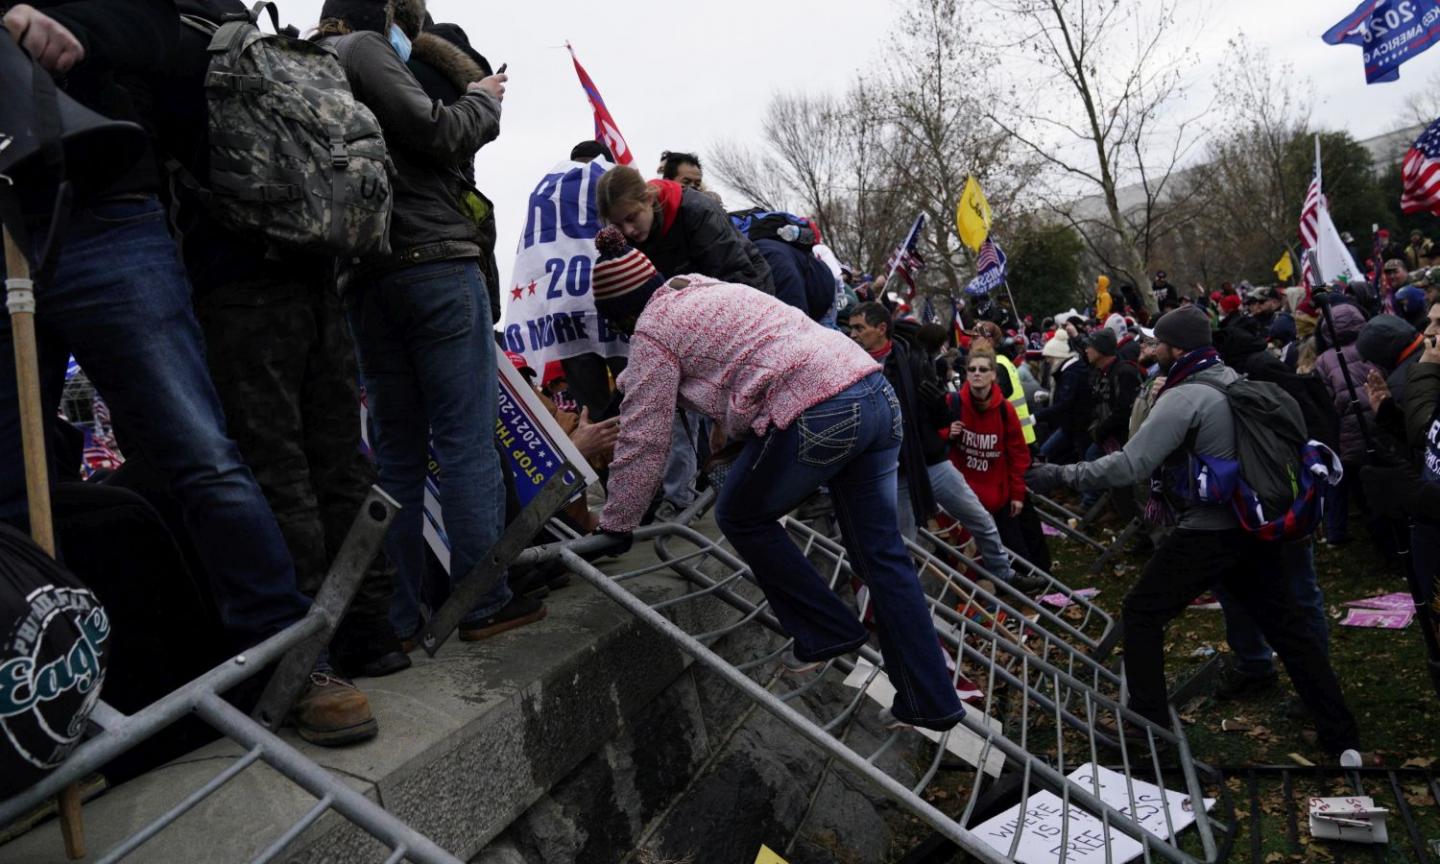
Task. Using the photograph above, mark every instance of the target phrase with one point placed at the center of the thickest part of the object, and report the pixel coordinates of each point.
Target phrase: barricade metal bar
(358, 549)
(137, 840)
(367, 814)
(295, 830)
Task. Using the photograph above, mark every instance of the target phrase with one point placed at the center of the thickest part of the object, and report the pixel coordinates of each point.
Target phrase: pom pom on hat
(624, 278)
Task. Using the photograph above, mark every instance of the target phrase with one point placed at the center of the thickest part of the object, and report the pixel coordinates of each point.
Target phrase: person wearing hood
(927, 478)
(1103, 300)
(1068, 414)
(420, 314)
(1352, 405)
(812, 408)
(1391, 344)
(1207, 545)
(680, 229)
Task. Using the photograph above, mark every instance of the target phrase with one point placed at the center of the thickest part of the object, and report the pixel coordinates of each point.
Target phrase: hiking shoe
(888, 720)
(331, 712)
(517, 613)
(1234, 685)
(795, 666)
(1030, 583)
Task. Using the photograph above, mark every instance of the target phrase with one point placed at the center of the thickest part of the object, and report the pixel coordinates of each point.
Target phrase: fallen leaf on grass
(1417, 796)
(1418, 762)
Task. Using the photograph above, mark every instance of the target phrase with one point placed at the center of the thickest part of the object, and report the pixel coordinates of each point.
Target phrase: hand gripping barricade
(1045, 721)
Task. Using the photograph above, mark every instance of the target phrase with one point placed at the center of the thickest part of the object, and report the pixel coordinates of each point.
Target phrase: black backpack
(760, 224)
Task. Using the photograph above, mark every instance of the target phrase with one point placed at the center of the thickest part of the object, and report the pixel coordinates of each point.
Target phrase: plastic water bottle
(789, 233)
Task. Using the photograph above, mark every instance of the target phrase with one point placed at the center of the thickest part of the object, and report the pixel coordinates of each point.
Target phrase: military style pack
(293, 156)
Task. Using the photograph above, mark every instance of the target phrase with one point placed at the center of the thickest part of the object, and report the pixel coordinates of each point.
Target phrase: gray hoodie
(1186, 406)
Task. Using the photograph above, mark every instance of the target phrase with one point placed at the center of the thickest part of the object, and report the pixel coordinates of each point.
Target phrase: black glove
(1045, 479)
(621, 541)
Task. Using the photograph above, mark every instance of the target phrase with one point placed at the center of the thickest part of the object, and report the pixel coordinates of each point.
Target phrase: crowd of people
(233, 369)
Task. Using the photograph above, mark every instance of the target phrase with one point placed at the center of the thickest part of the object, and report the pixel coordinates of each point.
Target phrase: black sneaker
(517, 613)
(1030, 583)
(1234, 685)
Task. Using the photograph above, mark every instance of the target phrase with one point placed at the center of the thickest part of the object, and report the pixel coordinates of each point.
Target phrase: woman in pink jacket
(812, 408)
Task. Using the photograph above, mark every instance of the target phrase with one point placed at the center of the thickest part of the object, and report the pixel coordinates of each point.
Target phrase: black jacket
(1069, 407)
(1112, 394)
(923, 412)
(801, 280)
(702, 240)
(428, 142)
(1245, 352)
(127, 42)
(1390, 342)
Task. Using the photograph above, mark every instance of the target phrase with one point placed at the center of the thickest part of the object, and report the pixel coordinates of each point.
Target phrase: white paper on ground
(962, 743)
(1085, 840)
(1359, 808)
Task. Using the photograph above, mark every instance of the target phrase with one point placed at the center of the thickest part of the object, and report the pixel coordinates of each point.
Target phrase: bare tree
(1111, 75)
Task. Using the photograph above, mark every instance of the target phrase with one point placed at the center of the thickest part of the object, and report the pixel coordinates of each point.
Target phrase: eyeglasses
(978, 369)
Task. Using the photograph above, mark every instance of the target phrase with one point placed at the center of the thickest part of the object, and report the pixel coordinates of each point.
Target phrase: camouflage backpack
(293, 156)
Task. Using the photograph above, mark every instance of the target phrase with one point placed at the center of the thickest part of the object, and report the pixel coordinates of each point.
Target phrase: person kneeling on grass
(812, 409)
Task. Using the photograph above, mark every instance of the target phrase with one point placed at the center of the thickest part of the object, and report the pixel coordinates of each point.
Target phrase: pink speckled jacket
(738, 356)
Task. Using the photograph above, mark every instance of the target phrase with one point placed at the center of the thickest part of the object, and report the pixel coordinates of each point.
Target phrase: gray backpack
(294, 157)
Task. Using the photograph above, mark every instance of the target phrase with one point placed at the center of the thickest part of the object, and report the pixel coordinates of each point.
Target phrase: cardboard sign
(1085, 839)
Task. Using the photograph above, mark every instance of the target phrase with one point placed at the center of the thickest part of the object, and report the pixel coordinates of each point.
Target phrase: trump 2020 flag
(548, 311)
(989, 269)
(1389, 33)
(605, 129)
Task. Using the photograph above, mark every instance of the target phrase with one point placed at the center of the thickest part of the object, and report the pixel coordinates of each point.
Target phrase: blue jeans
(1253, 656)
(1059, 448)
(683, 464)
(120, 302)
(852, 443)
(957, 499)
(428, 359)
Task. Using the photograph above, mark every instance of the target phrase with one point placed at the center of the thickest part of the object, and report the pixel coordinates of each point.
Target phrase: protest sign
(534, 447)
(549, 310)
(1085, 837)
(1384, 619)
(1398, 601)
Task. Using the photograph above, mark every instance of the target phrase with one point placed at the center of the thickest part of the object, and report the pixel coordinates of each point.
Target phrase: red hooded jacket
(991, 450)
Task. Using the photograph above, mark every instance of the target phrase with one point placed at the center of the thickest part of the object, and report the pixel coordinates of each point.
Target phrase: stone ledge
(469, 740)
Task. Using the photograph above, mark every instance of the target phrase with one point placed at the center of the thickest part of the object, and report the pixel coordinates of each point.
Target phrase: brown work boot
(331, 711)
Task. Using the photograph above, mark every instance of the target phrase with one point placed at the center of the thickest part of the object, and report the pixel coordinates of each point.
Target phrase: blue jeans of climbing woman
(851, 443)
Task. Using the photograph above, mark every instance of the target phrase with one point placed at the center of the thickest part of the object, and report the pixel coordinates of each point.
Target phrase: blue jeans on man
(427, 355)
(851, 442)
(957, 499)
(120, 302)
(1253, 657)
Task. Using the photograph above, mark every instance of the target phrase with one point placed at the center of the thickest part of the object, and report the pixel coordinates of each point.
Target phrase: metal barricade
(295, 648)
(1049, 709)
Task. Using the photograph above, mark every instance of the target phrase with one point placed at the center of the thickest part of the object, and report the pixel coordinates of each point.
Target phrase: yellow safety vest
(1017, 399)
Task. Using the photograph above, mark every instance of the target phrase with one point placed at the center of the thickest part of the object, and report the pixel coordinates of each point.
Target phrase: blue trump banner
(1389, 32)
(990, 266)
(534, 447)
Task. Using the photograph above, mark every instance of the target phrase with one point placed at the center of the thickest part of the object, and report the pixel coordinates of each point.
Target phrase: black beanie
(1103, 341)
(590, 150)
(372, 15)
(1186, 328)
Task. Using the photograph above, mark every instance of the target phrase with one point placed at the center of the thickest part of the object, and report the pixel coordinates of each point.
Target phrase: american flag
(1309, 231)
(905, 262)
(1420, 173)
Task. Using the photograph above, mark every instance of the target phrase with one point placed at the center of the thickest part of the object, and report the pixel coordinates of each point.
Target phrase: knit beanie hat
(1103, 341)
(1058, 348)
(624, 278)
(1186, 328)
(372, 15)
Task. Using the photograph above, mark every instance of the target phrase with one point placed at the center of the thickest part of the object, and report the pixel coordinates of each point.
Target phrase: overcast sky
(684, 76)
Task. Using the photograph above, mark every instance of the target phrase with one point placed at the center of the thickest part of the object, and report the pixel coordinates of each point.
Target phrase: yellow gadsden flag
(767, 856)
(972, 215)
(1283, 268)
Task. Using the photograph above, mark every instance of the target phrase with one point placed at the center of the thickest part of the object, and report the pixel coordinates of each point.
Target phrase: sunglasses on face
(974, 370)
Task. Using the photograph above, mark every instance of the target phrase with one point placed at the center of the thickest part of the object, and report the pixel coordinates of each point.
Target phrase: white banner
(1331, 256)
(548, 310)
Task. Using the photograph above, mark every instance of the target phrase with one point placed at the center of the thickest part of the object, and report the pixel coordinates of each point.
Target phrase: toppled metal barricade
(295, 648)
(1045, 730)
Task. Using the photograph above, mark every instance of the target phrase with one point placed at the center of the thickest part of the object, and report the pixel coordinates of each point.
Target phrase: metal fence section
(295, 648)
(1045, 717)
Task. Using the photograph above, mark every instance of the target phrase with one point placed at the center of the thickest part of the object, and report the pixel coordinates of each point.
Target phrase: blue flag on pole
(989, 269)
(1389, 32)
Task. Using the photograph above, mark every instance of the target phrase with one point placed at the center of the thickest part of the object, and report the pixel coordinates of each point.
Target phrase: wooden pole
(20, 299)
